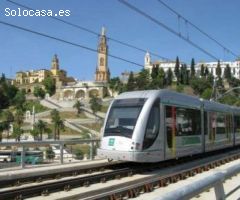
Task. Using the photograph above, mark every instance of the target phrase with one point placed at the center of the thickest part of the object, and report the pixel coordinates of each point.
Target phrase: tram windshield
(123, 117)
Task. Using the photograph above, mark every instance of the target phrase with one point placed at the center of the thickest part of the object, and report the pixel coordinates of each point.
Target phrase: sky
(21, 51)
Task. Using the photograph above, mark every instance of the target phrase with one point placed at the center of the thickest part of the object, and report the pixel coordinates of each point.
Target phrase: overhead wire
(197, 28)
(132, 7)
(93, 32)
(66, 42)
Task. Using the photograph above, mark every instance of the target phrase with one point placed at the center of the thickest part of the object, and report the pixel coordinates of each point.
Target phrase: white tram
(156, 125)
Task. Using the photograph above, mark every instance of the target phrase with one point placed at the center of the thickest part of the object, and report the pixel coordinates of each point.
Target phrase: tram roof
(171, 97)
(166, 96)
(215, 106)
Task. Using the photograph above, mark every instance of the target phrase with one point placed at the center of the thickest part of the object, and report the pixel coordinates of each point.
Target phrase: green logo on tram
(111, 142)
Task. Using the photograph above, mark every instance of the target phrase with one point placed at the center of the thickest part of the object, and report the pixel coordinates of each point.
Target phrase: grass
(72, 115)
(104, 108)
(69, 115)
(66, 131)
(94, 126)
(28, 105)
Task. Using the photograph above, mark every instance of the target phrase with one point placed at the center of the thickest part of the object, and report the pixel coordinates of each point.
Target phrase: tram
(157, 125)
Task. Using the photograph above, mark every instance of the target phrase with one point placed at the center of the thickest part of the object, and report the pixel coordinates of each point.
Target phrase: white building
(234, 65)
(165, 65)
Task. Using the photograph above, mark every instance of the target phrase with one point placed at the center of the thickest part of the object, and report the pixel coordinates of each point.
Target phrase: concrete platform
(16, 172)
(231, 186)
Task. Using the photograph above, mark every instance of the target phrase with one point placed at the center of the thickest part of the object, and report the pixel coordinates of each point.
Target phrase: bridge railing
(28, 153)
(212, 179)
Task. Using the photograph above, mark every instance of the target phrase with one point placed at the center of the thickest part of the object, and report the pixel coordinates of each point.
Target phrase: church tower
(102, 73)
(55, 65)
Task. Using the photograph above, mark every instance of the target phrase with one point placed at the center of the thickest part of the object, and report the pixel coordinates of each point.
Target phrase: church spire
(102, 72)
(55, 62)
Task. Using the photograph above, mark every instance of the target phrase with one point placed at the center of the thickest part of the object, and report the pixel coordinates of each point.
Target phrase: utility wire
(93, 32)
(167, 28)
(66, 42)
(197, 28)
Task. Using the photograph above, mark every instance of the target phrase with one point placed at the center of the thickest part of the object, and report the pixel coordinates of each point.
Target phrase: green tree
(95, 104)
(19, 117)
(207, 93)
(192, 72)
(4, 101)
(19, 99)
(131, 82)
(17, 132)
(177, 70)
(50, 86)
(227, 73)
(199, 85)
(218, 70)
(50, 153)
(234, 82)
(210, 79)
(161, 78)
(79, 106)
(79, 154)
(41, 128)
(206, 72)
(114, 84)
(39, 92)
(184, 77)
(8, 118)
(202, 71)
(155, 71)
(169, 77)
(57, 123)
(2, 128)
(35, 133)
(143, 80)
(179, 88)
(3, 78)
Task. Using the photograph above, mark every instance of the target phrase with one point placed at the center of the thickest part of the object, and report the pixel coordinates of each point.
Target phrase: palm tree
(42, 127)
(57, 123)
(60, 126)
(78, 105)
(34, 132)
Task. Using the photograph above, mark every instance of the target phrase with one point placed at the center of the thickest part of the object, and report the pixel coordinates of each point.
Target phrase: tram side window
(212, 125)
(181, 122)
(153, 125)
(237, 124)
(188, 122)
(221, 123)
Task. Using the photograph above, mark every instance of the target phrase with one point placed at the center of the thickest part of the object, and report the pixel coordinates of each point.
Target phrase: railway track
(32, 178)
(121, 183)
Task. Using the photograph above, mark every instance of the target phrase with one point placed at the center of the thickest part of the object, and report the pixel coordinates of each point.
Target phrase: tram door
(170, 130)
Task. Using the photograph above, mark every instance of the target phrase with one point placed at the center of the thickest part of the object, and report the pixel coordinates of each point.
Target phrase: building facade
(234, 66)
(165, 65)
(102, 73)
(98, 87)
(30, 79)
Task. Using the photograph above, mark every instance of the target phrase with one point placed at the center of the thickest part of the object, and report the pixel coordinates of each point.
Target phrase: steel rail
(61, 173)
(45, 188)
(132, 189)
